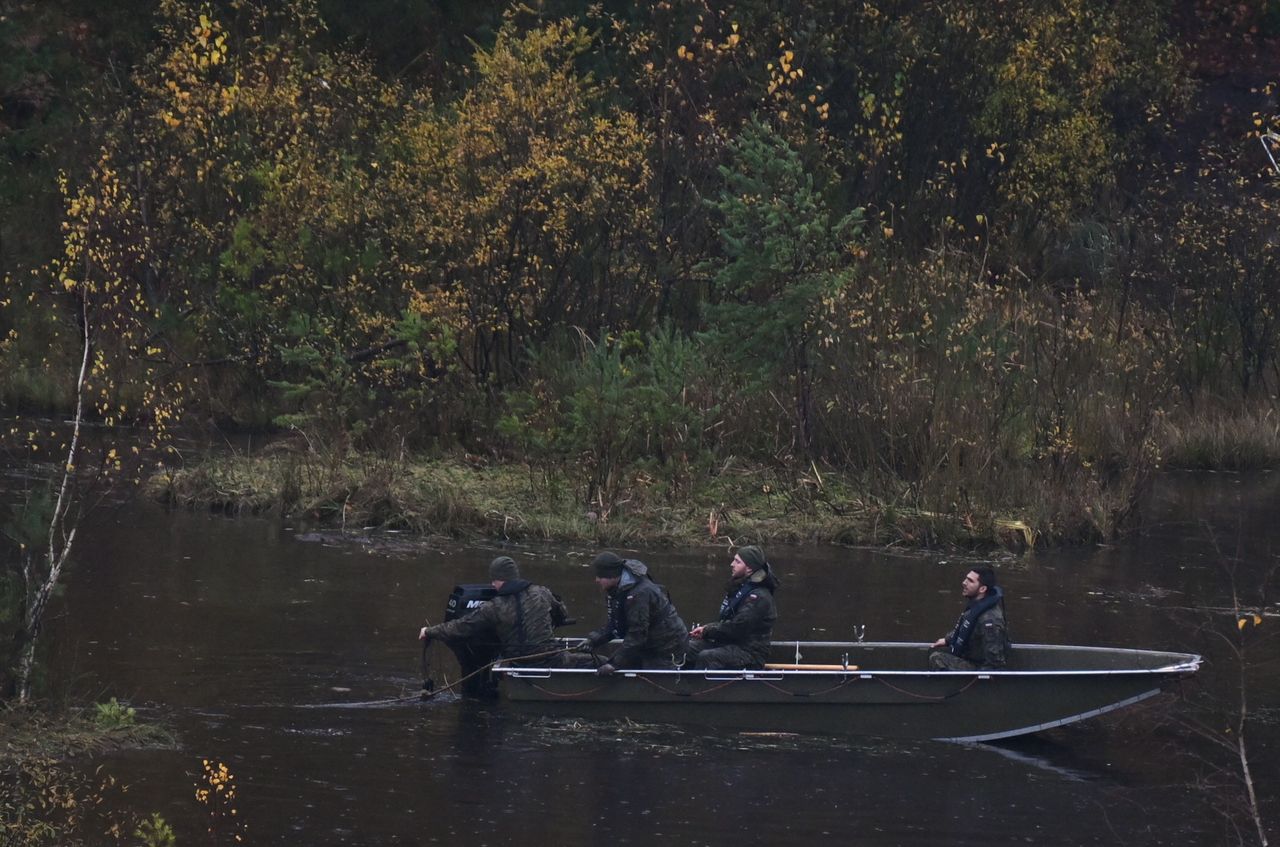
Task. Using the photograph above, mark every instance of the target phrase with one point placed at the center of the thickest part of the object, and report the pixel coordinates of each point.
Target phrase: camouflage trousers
(943, 660)
(595, 660)
(702, 656)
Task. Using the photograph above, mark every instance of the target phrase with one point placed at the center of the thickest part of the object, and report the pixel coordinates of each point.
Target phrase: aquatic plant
(113, 715)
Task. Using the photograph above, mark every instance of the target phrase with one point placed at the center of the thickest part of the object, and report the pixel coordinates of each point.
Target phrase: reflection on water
(292, 657)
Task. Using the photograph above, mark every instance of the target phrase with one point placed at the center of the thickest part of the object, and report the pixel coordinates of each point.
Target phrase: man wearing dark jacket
(640, 613)
(741, 637)
(979, 640)
(521, 615)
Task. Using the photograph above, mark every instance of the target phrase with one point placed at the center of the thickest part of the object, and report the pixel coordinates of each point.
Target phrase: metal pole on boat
(1274, 138)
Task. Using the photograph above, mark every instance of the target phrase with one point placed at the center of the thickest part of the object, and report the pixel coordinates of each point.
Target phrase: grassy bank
(47, 799)
(461, 498)
(739, 501)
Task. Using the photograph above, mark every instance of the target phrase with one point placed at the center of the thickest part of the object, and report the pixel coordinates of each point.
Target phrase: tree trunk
(26, 665)
(60, 540)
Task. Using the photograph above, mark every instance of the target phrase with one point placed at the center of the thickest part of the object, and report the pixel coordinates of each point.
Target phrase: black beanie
(607, 564)
(504, 568)
(753, 557)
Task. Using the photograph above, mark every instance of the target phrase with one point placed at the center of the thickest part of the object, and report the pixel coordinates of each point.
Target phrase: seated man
(740, 639)
(640, 613)
(979, 640)
(521, 616)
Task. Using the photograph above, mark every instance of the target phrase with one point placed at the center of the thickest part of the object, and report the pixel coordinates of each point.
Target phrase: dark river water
(256, 642)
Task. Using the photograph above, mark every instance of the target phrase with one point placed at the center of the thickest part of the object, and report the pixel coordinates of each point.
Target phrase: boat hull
(884, 692)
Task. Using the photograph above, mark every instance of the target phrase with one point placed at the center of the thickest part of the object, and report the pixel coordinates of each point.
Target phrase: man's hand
(696, 632)
(582, 647)
(605, 670)
(941, 642)
(422, 635)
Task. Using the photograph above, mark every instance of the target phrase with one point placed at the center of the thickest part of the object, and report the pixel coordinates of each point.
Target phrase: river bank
(739, 501)
(467, 498)
(30, 732)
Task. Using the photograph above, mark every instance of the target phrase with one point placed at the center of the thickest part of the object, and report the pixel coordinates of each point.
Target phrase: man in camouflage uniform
(741, 637)
(641, 614)
(979, 640)
(520, 616)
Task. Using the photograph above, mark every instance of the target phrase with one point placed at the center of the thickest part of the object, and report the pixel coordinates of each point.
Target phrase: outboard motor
(467, 597)
(472, 654)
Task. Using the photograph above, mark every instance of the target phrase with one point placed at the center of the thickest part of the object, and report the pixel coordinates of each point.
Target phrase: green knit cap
(504, 568)
(753, 557)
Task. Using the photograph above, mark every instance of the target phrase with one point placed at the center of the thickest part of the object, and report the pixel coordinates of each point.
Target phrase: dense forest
(975, 260)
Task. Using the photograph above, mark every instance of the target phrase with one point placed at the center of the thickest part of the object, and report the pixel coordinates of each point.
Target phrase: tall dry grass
(1222, 440)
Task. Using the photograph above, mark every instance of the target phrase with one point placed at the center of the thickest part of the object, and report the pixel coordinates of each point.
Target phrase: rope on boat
(936, 699)
(836, 687)
(767, 683)
(449, 686)
(429, 689)
(428, 693)
(566, 696)
(666, 690)
(674, 693)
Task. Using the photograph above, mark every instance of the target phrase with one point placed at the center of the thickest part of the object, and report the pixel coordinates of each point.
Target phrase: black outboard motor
(467, 597)
(472, 653)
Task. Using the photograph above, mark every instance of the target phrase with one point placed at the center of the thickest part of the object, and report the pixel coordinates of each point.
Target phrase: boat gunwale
(1186, 664)
(762, 674)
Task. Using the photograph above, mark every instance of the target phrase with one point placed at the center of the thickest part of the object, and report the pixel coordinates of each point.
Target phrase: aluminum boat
(863, 688)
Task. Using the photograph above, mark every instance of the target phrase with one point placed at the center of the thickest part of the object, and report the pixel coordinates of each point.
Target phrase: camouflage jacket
(520, 616)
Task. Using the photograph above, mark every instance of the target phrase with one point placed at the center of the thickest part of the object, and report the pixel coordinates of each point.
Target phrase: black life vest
(964, 627)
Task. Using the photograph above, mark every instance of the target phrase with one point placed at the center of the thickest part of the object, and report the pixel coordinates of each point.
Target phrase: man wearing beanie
(520, 616)
(741, 637)
(640, 613)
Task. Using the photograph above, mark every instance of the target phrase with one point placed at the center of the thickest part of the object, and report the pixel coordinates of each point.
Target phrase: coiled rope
(565, 695)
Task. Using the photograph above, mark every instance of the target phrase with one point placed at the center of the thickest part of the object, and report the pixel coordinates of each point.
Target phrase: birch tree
(92, 301)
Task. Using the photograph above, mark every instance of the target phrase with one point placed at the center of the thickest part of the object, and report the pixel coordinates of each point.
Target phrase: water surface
(256, 642)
